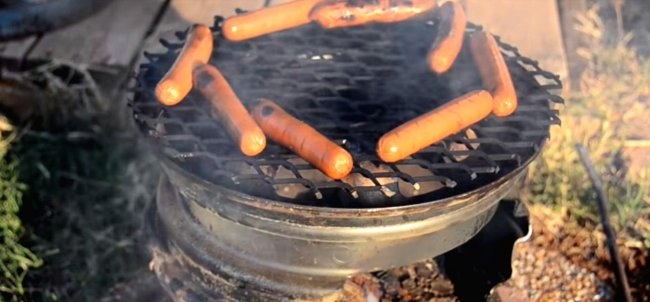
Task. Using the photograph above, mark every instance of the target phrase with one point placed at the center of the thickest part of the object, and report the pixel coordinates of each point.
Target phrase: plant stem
(617, 263)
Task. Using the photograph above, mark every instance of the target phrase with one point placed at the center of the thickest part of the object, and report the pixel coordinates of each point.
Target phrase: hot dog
(268, 20)
(400, 10)
(494, 73)
(177, 83)
(449, 41)
(434, 126)
(227, 106)
(333, 14)
(318, 150)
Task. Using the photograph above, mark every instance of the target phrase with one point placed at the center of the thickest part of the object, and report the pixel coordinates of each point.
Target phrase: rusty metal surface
(235, 254)
(248, 255)
(353, 85)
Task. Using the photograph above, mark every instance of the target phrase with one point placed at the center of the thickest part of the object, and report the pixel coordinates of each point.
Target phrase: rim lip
(196, 241)
(263, 203)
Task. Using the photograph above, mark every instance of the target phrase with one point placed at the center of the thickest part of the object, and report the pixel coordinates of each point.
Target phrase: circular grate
(353, 85)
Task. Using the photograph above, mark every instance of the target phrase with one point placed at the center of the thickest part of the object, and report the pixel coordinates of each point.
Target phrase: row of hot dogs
(328, 13)
(250, 131)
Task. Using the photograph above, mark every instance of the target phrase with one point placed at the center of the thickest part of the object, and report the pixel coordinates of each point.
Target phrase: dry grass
(614, 93)
(610, 108)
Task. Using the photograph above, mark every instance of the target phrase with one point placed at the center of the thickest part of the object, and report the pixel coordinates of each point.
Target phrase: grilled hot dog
(227, 106)
(494, 72)
(177, 83)
(449, 41)
(268, 20)
(333, 14)
(302, 139)
(434, 126)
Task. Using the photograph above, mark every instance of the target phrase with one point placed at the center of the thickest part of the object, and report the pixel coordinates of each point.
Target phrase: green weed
(15, 259)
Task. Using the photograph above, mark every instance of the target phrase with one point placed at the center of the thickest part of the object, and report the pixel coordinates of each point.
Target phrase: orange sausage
(177, 83)
(400, 10)
(268, 20)
(494, 73)
(434, 126)
(333, 14)
(449, 41)
(302, 139)
(227, 106)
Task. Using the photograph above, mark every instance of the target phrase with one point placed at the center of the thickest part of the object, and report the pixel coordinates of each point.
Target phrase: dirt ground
(556, 239)
(560, 262)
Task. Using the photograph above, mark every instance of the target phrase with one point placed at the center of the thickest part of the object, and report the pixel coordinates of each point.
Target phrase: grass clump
(15, 259)
(89, 181)
(610, 107)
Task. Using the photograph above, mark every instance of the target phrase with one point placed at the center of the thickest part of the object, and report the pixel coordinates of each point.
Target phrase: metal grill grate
(353, 85)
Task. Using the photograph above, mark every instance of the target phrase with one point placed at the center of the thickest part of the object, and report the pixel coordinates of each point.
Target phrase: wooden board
(183, 13)
(533, 26)
(111, 37)
(16, 49)
(573, 39)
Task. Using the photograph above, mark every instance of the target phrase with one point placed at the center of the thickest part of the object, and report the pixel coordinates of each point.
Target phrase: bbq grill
(274, 228)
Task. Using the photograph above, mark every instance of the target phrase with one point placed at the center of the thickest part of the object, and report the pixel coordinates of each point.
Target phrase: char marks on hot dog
(333, 14)
(451, 32)
(231, 112)
(177, 82)
(302, 139)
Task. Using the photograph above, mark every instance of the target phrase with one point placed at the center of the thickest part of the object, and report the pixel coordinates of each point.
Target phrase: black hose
(24, 20)
(623, 287)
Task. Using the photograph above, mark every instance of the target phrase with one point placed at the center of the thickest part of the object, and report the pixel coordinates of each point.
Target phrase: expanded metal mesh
(352, 85)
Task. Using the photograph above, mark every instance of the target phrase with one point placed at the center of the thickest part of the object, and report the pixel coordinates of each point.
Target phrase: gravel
(546, 275)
